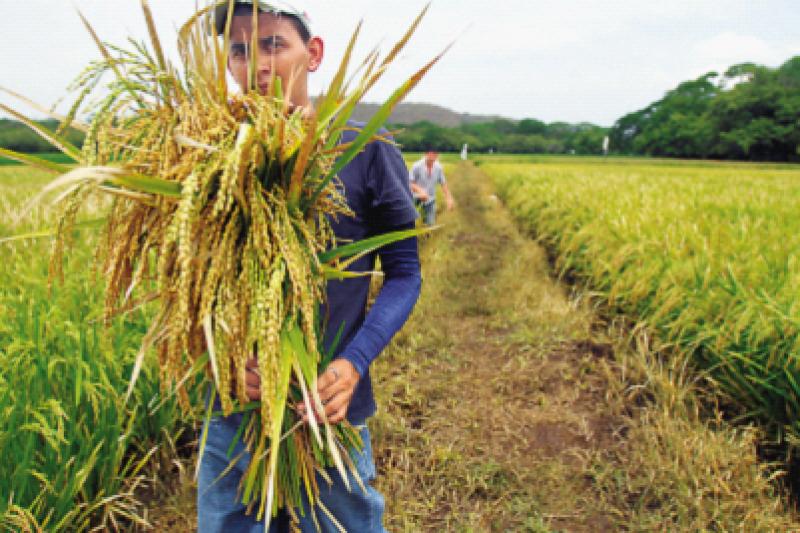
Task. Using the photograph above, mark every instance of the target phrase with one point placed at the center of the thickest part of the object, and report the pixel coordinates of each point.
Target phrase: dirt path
(492, 398)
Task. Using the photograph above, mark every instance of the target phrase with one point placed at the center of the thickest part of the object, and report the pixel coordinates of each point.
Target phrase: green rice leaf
(53, 138)
(112, 63)
(38, 162)
(360, 248)
(42, 109)
(121, 178)
(326, 105)
(332, 273)
(201, 447)
(375, 123)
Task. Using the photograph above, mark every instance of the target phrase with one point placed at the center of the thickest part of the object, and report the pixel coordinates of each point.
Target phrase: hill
(411, 113)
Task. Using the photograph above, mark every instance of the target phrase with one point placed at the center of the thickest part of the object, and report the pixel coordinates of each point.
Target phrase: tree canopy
(750, 112)
(529, 136)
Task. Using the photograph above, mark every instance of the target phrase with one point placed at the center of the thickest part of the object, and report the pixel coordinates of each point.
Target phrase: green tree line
(505, 136)
(527, 136)
(18, 137)
(751, 112)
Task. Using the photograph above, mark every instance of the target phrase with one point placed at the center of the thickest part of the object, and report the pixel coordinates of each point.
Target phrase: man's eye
(268, 46)
(238, 51)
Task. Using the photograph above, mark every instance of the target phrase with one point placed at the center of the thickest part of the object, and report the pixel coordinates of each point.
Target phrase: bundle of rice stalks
(221, 213)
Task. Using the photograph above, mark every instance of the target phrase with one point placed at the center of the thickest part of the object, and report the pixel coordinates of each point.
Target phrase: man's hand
(419, 193)
(253, 380)
(336, 387)
(448, 196)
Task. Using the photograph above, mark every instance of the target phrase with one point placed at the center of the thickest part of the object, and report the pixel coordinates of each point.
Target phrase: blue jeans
(428, 212)
(219, 510)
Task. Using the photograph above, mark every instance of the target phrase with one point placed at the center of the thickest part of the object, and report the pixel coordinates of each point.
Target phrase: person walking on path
(424, 176)
(376, 187)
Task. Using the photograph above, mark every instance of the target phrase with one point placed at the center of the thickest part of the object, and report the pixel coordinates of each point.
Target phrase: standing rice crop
(221, 214)
(705, 256)
(74, 452)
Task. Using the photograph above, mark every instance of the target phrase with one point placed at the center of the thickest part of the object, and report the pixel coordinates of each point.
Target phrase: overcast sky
(571, 60)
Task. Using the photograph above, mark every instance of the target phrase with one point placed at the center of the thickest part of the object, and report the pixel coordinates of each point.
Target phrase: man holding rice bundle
(251, 222)
(425, 174)
(375, 185)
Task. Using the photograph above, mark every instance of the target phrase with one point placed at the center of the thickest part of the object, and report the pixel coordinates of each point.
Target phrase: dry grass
(678, 467)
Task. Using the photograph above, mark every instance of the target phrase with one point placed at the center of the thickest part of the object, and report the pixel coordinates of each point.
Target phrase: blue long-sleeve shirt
(376, 186)
(393, 305)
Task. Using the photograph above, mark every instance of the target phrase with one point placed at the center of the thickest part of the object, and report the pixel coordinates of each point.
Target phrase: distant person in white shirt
(425, 174)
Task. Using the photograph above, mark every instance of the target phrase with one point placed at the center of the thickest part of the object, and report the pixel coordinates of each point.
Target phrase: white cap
(267, 6)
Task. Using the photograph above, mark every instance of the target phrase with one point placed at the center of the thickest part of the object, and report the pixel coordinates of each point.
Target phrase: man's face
(430, 157)
(280, 50)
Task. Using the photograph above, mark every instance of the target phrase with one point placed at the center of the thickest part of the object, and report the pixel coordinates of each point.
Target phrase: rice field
(703, 255)
(72, 449)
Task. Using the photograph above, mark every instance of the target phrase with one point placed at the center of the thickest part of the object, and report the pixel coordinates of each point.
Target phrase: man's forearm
(419, 191)
(392, 307)
(448, 197)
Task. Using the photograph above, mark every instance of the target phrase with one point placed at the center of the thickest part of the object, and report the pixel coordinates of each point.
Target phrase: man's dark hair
(241, 10)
